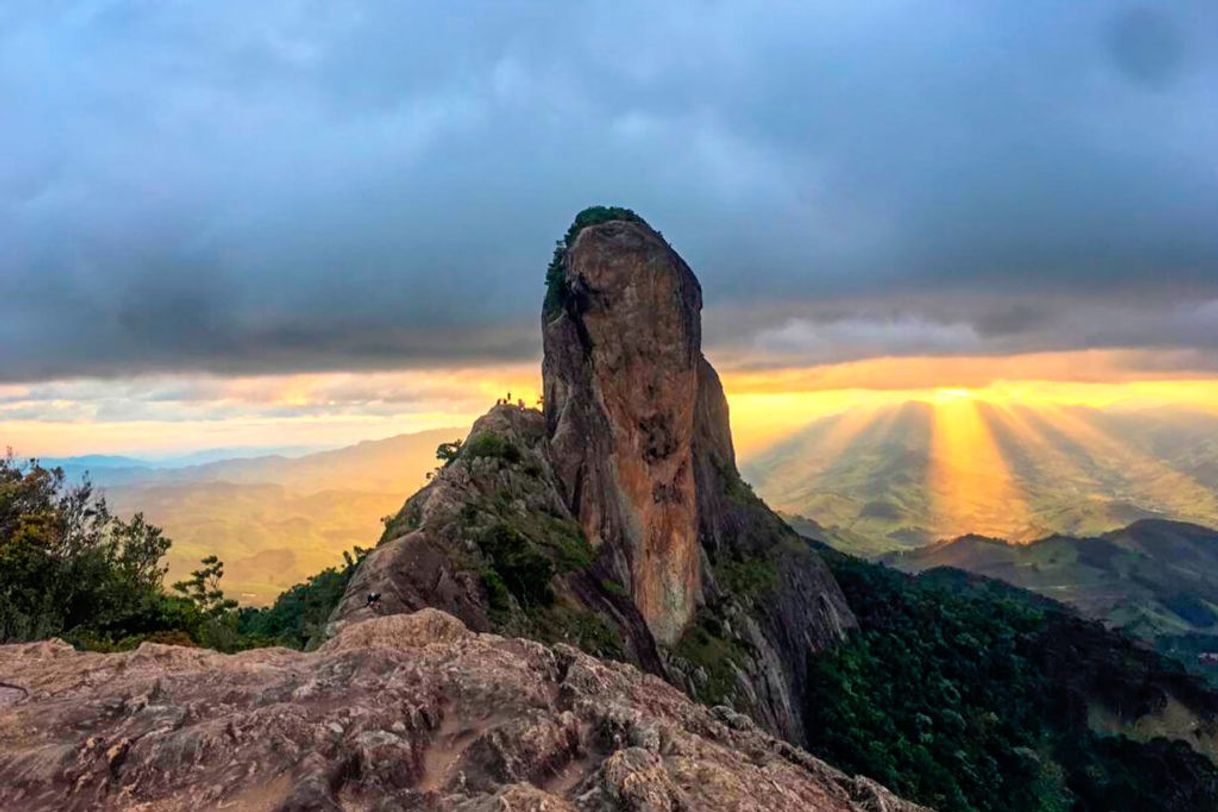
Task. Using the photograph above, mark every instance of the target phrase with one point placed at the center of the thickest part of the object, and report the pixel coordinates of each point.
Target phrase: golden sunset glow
(342, 408)
(971, 484)
(969, 417)
(179, 413)
(1025, 374)
(975, 420)
(769, 404)
(1170, 484)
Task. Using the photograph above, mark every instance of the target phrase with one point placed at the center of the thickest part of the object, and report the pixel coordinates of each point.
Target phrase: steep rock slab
(639, 438)
(490, 541)
(407, 711)
(621, 387)
(770, 601)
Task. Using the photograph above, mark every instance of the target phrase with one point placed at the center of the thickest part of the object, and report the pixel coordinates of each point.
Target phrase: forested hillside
(967, 694)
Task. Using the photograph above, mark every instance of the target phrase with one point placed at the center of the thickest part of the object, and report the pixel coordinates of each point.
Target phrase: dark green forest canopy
(966, 694)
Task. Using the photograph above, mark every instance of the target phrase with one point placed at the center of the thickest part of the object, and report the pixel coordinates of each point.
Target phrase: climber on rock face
(373, 597)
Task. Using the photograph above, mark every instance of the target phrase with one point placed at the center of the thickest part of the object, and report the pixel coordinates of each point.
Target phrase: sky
(289, 222)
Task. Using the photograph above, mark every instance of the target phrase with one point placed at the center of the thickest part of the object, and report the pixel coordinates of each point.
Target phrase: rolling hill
(273, 520)
(893, 478)
(1155, 579)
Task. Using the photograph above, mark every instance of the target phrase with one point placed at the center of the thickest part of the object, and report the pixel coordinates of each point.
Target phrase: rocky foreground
(409, 711)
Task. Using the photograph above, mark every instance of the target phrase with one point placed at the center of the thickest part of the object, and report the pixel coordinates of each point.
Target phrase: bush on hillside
(488, 444)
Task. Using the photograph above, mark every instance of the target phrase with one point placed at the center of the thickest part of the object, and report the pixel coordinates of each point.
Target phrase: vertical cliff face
(640, 442)
(621, 376)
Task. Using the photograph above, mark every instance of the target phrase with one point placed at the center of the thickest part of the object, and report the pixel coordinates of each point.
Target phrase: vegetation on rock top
(489, 444)
(591, 216)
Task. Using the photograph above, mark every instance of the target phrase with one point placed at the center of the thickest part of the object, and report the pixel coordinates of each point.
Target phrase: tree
(218, 628)
(447, 452)
(203, 589)
(67, 566)
(591, 216)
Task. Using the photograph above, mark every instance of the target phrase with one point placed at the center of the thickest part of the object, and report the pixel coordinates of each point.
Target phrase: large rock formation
(621, 381)
(491, 541)
(411, 711)
(619, 521)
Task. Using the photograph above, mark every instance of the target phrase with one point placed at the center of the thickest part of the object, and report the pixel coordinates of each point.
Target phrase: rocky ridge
(616, 519)
(411, 710)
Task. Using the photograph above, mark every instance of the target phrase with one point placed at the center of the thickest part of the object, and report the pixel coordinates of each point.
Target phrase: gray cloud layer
(283, 186)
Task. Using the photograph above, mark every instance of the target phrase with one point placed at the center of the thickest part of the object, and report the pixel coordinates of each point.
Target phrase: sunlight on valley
(970, 482)
(1014, 459)
(1173, 487)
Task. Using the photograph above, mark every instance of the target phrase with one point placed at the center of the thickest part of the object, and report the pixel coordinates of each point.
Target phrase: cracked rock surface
(408, 711)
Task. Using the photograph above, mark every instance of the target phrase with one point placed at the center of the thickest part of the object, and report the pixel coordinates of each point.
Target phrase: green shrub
(591, 216)
(489, 444)
(518, 564)
(749, 578)
(613, 587)
(69, 567)
(718, 655)
(499, 599)
(406, 519)
(583, 628)
(447, 453)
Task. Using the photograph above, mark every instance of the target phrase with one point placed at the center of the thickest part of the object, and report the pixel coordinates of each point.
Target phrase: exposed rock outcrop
(621, 389)
(640, 440)
(409, 711)
(491, 541)
(618, 520)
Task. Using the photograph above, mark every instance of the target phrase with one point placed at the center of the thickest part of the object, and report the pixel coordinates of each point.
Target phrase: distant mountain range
(113, 463)
(873, 481)
(878, 480)
(274, 520)
(1153, 577)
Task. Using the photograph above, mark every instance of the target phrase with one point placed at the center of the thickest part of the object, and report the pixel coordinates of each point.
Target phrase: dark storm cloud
(281, 186)
(1179, 334)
